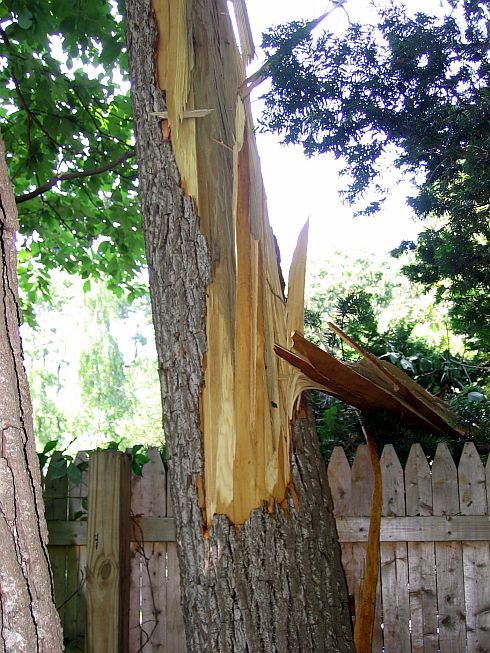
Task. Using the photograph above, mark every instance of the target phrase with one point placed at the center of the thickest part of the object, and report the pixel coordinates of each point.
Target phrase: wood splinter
(191, 113)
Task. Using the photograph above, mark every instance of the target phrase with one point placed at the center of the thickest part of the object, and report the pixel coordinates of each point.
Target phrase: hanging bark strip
(363, 629)
(260, 564)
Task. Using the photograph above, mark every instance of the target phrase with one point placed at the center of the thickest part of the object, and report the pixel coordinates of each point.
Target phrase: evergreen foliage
(415, 88)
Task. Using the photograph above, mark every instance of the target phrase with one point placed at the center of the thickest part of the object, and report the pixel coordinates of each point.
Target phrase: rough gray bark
(28, 619)
(275, 584)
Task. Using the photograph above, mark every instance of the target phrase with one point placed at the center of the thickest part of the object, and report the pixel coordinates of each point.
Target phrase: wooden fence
(115, 568)
(434, 589)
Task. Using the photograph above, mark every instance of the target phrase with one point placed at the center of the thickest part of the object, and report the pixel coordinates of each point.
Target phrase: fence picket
(340, 481)
(56, 506)
(449, 556)
(75, 608)
(394, 560)
(421, 557)
(148, 497)
(175, 626)
(450, 505)
(473, 501)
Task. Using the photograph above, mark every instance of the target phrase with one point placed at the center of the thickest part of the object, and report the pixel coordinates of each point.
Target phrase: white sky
(298, 188)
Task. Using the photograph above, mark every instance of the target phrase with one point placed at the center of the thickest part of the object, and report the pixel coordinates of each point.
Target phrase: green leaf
(49, 446)
(74, 474)
(25, 19)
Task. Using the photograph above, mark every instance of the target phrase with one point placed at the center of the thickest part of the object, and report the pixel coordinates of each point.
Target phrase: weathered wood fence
(116, 573)
(434, 590)
(115, 567)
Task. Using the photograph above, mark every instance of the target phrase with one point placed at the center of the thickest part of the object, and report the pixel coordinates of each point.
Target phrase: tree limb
(79, 174)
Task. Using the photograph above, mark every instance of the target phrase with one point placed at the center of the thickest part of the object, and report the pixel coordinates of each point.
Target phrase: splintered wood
(244, 411)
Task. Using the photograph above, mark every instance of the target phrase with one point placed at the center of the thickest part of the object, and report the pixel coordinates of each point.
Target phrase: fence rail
(434, 587)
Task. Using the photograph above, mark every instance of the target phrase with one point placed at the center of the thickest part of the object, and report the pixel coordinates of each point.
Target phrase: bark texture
(274, 584)
(28, 618)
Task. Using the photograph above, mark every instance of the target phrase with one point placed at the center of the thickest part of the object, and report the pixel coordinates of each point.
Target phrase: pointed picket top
(418, 485)
(471, 476)
(445, 495)
(393, 486)
(362, 483)
(78, 490)
(340, 481)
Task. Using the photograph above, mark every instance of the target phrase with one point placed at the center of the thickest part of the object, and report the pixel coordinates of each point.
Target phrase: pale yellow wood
(191, 113)
(108, 553)
(244, 30)
(295, 308)
(339, 479)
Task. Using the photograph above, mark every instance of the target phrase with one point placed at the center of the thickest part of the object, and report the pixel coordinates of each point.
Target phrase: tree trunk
(28, 618)
(274, 582)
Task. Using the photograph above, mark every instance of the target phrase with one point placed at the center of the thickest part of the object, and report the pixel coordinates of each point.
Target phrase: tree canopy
(413, 88)
(66, 120)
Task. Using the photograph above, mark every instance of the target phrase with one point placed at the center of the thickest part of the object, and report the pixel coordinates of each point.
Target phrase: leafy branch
(79, 174)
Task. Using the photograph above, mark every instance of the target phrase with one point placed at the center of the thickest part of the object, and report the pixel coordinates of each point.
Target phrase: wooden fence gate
(434, 588)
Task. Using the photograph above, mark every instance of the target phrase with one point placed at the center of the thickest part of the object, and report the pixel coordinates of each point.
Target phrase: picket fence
(116, 571)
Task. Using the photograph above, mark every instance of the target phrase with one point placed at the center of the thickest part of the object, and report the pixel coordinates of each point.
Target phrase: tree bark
(274, 583)
(28, 618)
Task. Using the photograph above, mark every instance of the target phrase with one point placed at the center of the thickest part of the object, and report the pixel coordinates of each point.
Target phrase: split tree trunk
(275, 583)
(29, 622)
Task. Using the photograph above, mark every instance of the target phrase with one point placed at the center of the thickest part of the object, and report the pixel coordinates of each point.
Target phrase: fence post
(108, 552)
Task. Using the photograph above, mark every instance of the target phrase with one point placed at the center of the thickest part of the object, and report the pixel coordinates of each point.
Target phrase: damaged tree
(28, 618)
(260, 562)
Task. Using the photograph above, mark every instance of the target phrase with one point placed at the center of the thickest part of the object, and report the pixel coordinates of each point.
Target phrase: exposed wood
(191, 113)
(108, 553)
(363, 631)
(367, 385)
(255, 587)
